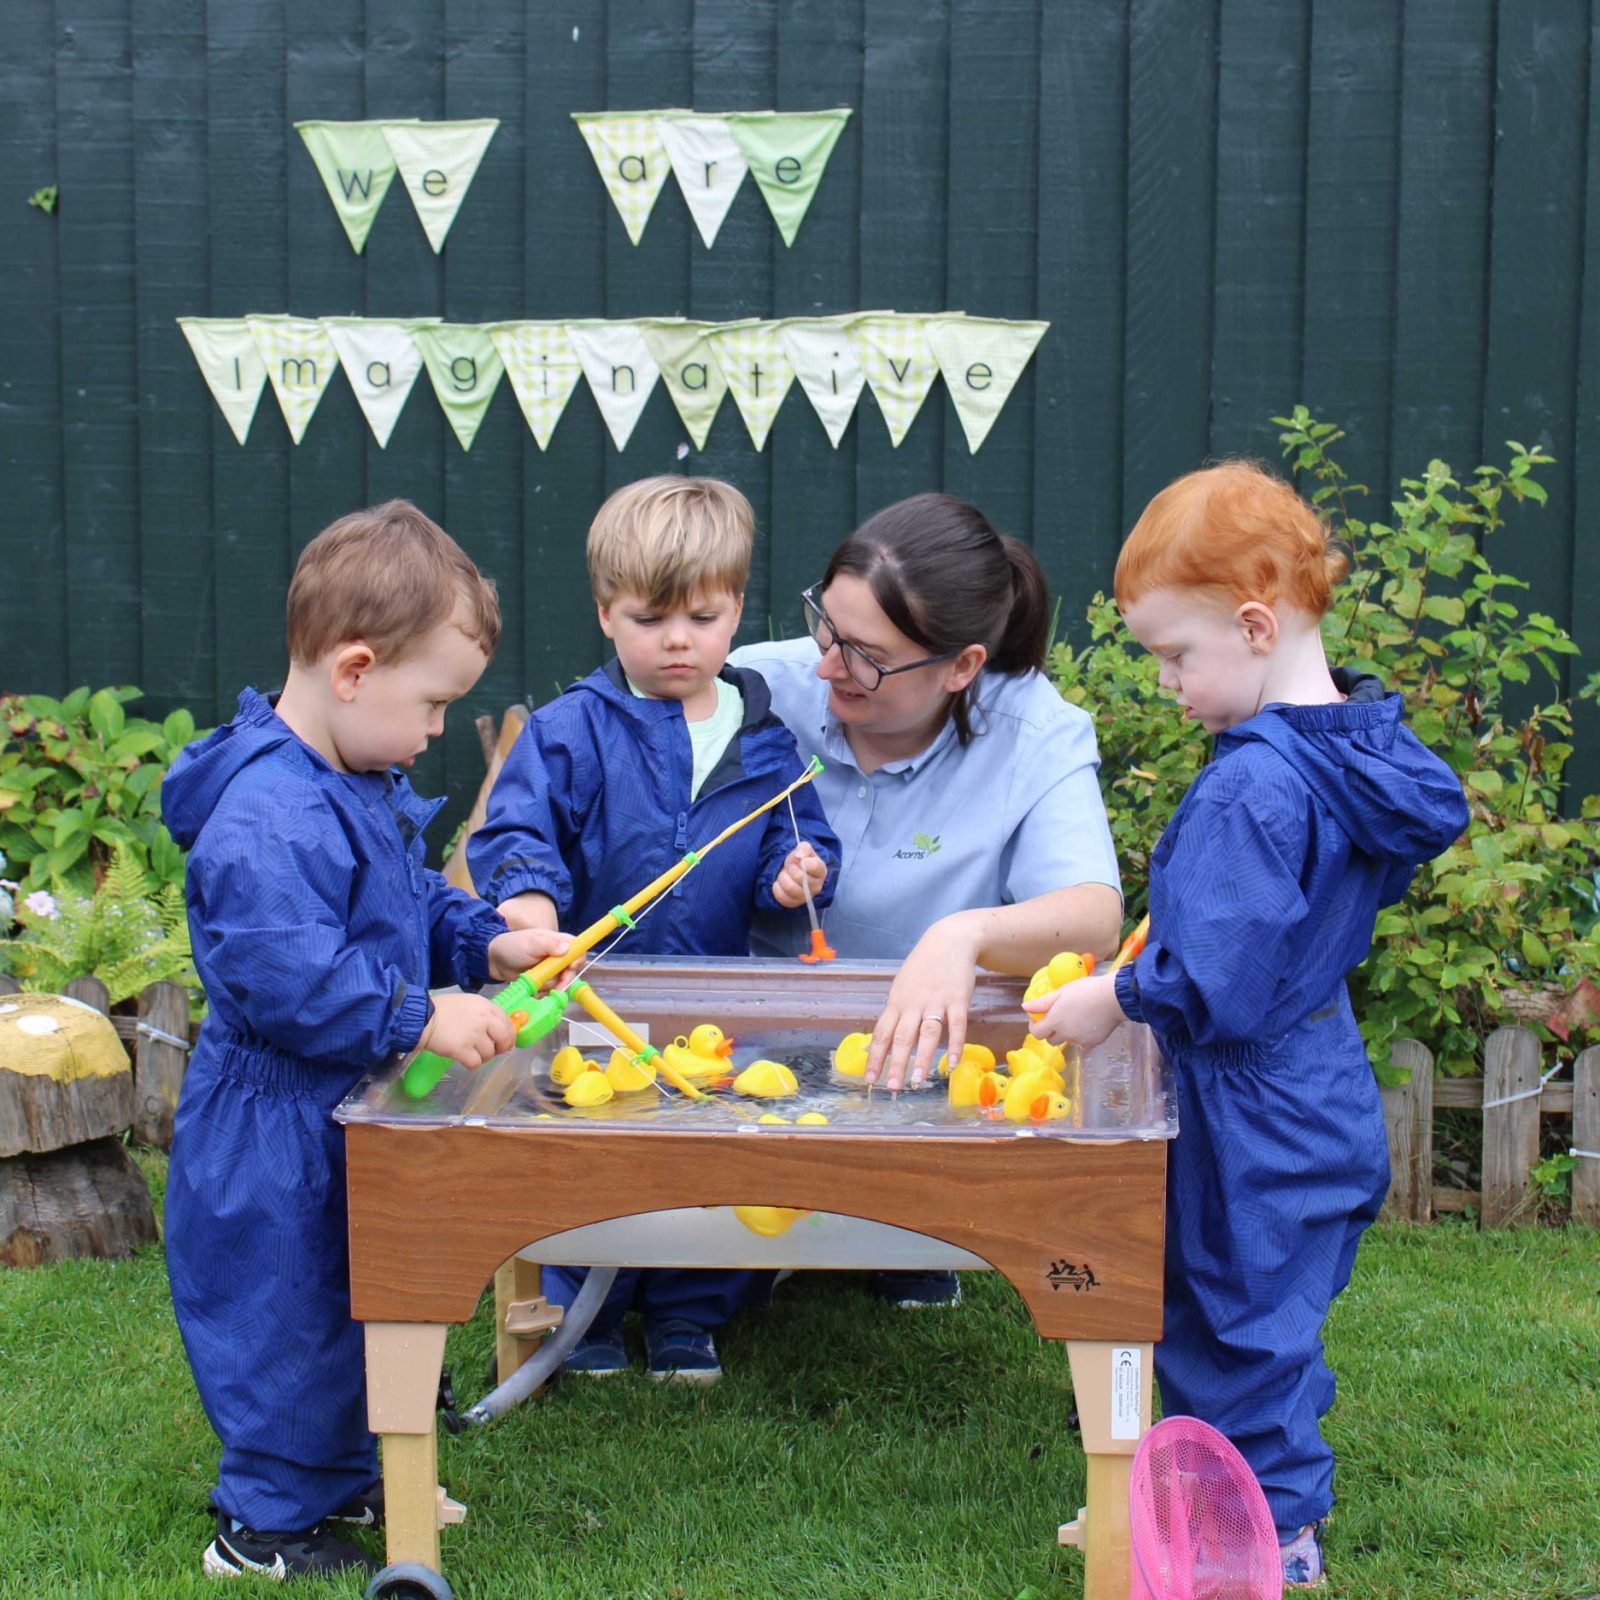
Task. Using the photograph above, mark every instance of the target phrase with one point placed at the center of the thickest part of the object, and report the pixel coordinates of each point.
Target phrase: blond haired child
(609, 784)
(317, 932)
(1315, 811)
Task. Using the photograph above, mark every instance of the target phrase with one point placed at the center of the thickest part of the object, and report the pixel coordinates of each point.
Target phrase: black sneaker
(918, 1291)
(364, 1510)
(246, 1552)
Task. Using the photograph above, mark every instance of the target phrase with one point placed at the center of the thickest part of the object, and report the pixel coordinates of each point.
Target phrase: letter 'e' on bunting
(981, 359)
(466, 370)
(899, 364)
(787, 152)
(543, 368)
(438, 161)
(633, 162)
(299, 358)
(708, 164)
(381, 362)
(620, 369)
(226, 350)
(824, 360)
(690, 370)
(758, 371)
(356, 165)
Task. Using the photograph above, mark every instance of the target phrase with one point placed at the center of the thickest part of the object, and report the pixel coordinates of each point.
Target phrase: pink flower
(42, 904)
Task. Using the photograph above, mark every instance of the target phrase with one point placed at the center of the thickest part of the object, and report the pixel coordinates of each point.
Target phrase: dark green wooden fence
(1223, 206)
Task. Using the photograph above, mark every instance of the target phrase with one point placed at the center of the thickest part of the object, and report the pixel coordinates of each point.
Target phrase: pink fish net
(1201, 1527)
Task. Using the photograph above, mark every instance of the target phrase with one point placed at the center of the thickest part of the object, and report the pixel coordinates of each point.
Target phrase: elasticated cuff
(411, 1022)
(1127, 990)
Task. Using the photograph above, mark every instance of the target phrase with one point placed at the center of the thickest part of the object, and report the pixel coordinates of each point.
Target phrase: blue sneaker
(1302, 1559)
(918, 1291)
(681, 1353)
(598, 1355)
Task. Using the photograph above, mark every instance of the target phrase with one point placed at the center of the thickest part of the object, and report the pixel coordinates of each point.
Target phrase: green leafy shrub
(1505, 920)
(79, 778)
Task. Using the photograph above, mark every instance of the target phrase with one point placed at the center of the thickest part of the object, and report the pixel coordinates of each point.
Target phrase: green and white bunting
(787, 153)
(632, 161)
(689, 369)
(980, 359)
(758, 370)
(466, 370)
(437, 162)
(708, 164)
(381, 361)
(357, 167)
(620, 369)
(231, 365)
(543, 368)
(824, 360)
(899, 365)
(299, 358)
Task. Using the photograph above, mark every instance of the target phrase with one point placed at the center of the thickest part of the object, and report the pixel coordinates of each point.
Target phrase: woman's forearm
(1021, 938)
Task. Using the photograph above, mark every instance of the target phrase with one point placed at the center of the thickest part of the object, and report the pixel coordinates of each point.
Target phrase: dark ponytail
(946, 579)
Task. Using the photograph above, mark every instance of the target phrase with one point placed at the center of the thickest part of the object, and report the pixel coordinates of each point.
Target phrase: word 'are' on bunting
(896, 355)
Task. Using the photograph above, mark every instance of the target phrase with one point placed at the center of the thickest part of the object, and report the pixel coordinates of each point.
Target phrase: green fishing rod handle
(422, 1076)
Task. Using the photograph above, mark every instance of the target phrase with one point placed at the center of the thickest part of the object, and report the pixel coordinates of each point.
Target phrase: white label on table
(1126, 1390)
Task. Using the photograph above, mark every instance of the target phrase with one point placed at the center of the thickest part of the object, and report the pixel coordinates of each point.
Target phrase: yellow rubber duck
(772, 1116)
(1050, 1107)
(810, 1119)
(1062, 969)
(1032, 1096)
(703, 1054)
(769, 1221)
(627, 1076)
(567, 1063)
(1034, 1055)
(992, 1087)
(850, 1055)
(589, 1089)
(976, 1055)
(766, 1080)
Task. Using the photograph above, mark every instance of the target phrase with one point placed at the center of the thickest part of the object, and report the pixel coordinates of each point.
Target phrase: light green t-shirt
(710, 738)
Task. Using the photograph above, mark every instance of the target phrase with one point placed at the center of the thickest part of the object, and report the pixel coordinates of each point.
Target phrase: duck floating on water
(702, 1054)
(767, 1080)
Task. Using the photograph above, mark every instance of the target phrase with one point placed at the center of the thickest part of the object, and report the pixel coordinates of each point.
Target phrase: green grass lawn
(850, 1451)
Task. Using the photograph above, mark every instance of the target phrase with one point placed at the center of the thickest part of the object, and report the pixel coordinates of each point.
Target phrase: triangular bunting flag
(357, 165)
(787, 152)
(543, 368)
(299, 358)
(758, 371)
(465, 368)
(824, 361)
(981, 359)
(690, 370)
(438, 161)
(230, 364)
(899, 363)
(633, 162)
(708, 164)
(382, 361)
(620, 369)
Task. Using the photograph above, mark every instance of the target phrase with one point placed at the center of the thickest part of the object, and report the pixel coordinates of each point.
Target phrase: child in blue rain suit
(1315, 811)
(317, 931)
(608, 785)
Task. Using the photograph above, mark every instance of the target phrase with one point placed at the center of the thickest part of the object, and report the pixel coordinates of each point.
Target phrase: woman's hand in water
(1084, 1012)
(931, 994)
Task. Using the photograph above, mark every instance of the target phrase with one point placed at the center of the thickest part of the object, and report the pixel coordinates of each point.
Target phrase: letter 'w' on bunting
(787, 152)
(981, 359)
(438, 161)
(543, 368)
(381, 361)
(633, 162)
(758, 371)
(708, 164)
(690, 370)
(230, 364)
(466, 370)
(899, 364)
(824, 361)
(620, 369)
(299, 358)
(357, 165)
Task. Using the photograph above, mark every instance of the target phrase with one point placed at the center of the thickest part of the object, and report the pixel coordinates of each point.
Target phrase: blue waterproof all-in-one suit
(1263, 893)
(317, 932)
(594, 802)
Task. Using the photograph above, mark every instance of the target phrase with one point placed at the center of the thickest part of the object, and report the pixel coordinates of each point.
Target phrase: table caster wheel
(409, 1580)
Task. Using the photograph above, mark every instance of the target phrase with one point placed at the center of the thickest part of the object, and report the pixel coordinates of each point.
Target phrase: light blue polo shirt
(1013, 814)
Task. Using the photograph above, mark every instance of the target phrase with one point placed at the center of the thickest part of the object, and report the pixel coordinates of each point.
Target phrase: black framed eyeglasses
(863, 670)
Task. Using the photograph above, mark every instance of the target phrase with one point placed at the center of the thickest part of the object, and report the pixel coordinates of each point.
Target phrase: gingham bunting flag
(633, 162)
(543, 368)
(231, 364)
(981, 359)
(620, 369)
(758, 370)
(299, 358)
(690, 370)
(788, 152)
(381, 361)
(437, 162)
(899, 365)
(708, 164)
(466, 370)
(824, 361)
(357, 166)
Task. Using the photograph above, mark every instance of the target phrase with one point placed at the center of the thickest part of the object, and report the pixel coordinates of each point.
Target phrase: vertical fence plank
(1408, 1117)
(1586, 1137)
(1510, 1130)
(158, 1063)
(91, 991)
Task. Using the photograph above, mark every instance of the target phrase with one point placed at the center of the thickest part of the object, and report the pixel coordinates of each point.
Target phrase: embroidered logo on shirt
(923, 846)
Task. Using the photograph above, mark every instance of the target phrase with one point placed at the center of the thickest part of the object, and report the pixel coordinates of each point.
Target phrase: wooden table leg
(516, 1280)
(403, 1365)
(1112, 1384)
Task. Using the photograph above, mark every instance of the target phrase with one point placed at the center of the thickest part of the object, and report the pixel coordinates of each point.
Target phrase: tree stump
(87, 1200)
